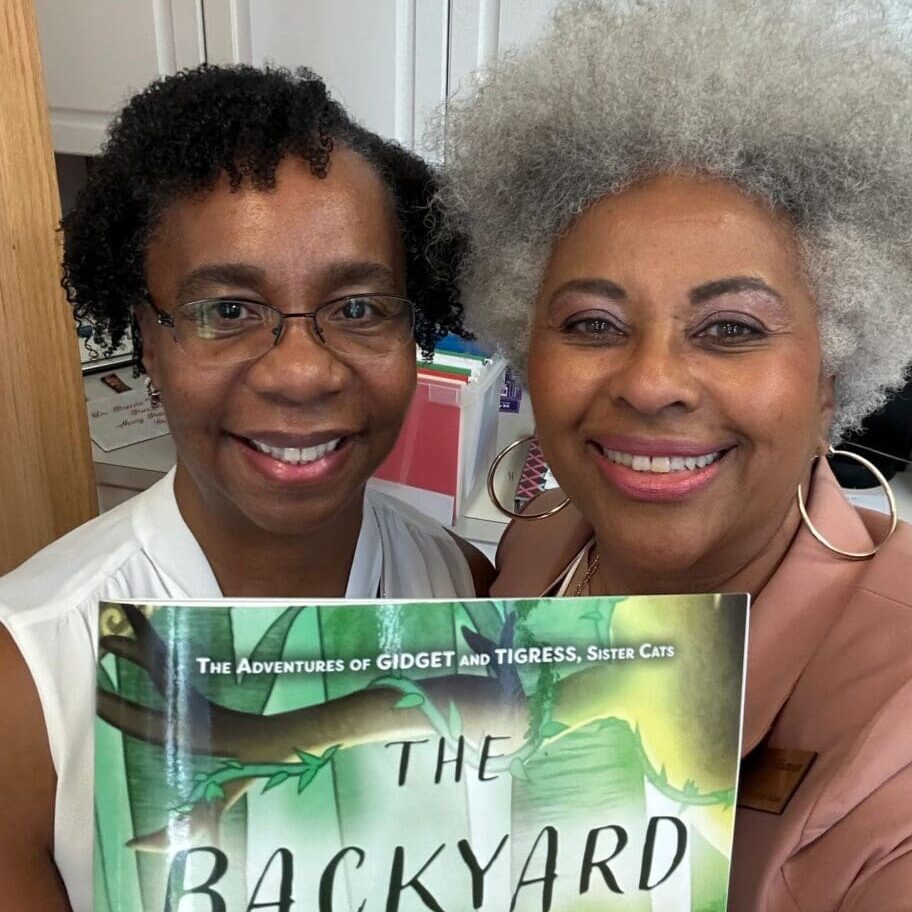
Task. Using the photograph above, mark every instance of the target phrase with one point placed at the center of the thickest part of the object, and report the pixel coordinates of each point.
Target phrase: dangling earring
(153, 392)
(894, 516)
(498, 459)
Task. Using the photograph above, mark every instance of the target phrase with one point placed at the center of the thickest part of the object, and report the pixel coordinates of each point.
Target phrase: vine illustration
(210, 787)
(689, 794)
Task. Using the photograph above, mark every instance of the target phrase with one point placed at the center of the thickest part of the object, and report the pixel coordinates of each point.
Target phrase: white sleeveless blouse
(144, 549)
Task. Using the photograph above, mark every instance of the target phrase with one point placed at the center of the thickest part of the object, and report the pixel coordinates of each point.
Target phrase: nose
(299, 367)
(654, 377)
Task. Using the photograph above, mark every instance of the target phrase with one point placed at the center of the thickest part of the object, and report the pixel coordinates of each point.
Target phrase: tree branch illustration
(190, 723)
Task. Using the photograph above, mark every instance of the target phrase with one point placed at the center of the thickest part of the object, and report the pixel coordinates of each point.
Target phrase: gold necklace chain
(584, 582)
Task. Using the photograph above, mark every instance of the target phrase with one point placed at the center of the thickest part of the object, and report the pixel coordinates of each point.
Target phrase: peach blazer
(829, 671)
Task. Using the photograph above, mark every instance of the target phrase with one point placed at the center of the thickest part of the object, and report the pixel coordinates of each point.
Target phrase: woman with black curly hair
(267, 255)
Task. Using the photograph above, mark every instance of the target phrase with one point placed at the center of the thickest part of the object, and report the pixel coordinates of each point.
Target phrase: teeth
(662, 464)
(296, 456)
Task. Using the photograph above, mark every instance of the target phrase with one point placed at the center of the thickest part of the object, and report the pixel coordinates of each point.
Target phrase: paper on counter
(124, 419)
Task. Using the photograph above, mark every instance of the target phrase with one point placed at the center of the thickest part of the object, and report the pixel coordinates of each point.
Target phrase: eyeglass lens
(233, 330)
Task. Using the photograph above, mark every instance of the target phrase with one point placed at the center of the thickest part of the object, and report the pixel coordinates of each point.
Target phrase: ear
(148, 325)
(827, 406)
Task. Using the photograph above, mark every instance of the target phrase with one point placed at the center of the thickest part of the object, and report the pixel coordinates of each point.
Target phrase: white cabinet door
(385, 60)
(481, 30)
(96, 53)
(227, 25)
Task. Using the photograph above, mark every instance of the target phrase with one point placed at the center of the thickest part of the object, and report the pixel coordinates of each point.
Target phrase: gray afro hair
(803, 104)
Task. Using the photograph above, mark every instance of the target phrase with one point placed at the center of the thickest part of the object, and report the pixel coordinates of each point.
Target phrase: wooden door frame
(47, 484)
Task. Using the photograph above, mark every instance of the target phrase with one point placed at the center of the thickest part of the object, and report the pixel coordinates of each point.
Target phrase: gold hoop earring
(894, 516)
(498, 459)
(153, 392)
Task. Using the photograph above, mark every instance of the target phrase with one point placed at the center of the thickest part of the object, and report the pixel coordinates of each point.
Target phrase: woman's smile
(658, 470)
(285, 459)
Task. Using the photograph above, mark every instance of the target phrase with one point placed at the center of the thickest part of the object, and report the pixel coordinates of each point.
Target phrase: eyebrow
(602, 287)
(731, 285)
(349, 273)
(201, 280)
(699, 295)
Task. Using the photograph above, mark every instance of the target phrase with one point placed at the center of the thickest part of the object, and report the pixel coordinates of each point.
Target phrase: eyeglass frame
(164, 318)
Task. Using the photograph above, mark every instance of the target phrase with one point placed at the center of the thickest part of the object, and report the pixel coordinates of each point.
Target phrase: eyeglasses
(225, 330)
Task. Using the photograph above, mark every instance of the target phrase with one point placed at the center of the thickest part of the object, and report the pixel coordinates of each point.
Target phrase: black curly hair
(178, 136)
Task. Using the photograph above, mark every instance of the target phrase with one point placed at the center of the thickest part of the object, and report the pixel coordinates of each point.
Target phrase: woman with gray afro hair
(804, 105)
(689, 223)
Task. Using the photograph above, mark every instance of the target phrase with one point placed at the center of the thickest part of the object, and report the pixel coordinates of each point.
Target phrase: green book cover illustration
(536, 755)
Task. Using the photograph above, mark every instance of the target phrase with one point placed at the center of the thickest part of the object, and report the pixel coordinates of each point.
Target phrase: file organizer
(448, 439)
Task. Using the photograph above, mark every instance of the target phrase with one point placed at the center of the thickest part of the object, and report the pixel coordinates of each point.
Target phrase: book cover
(546, 755)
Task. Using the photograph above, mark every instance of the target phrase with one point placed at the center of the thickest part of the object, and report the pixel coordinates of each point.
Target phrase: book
(537, 754)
